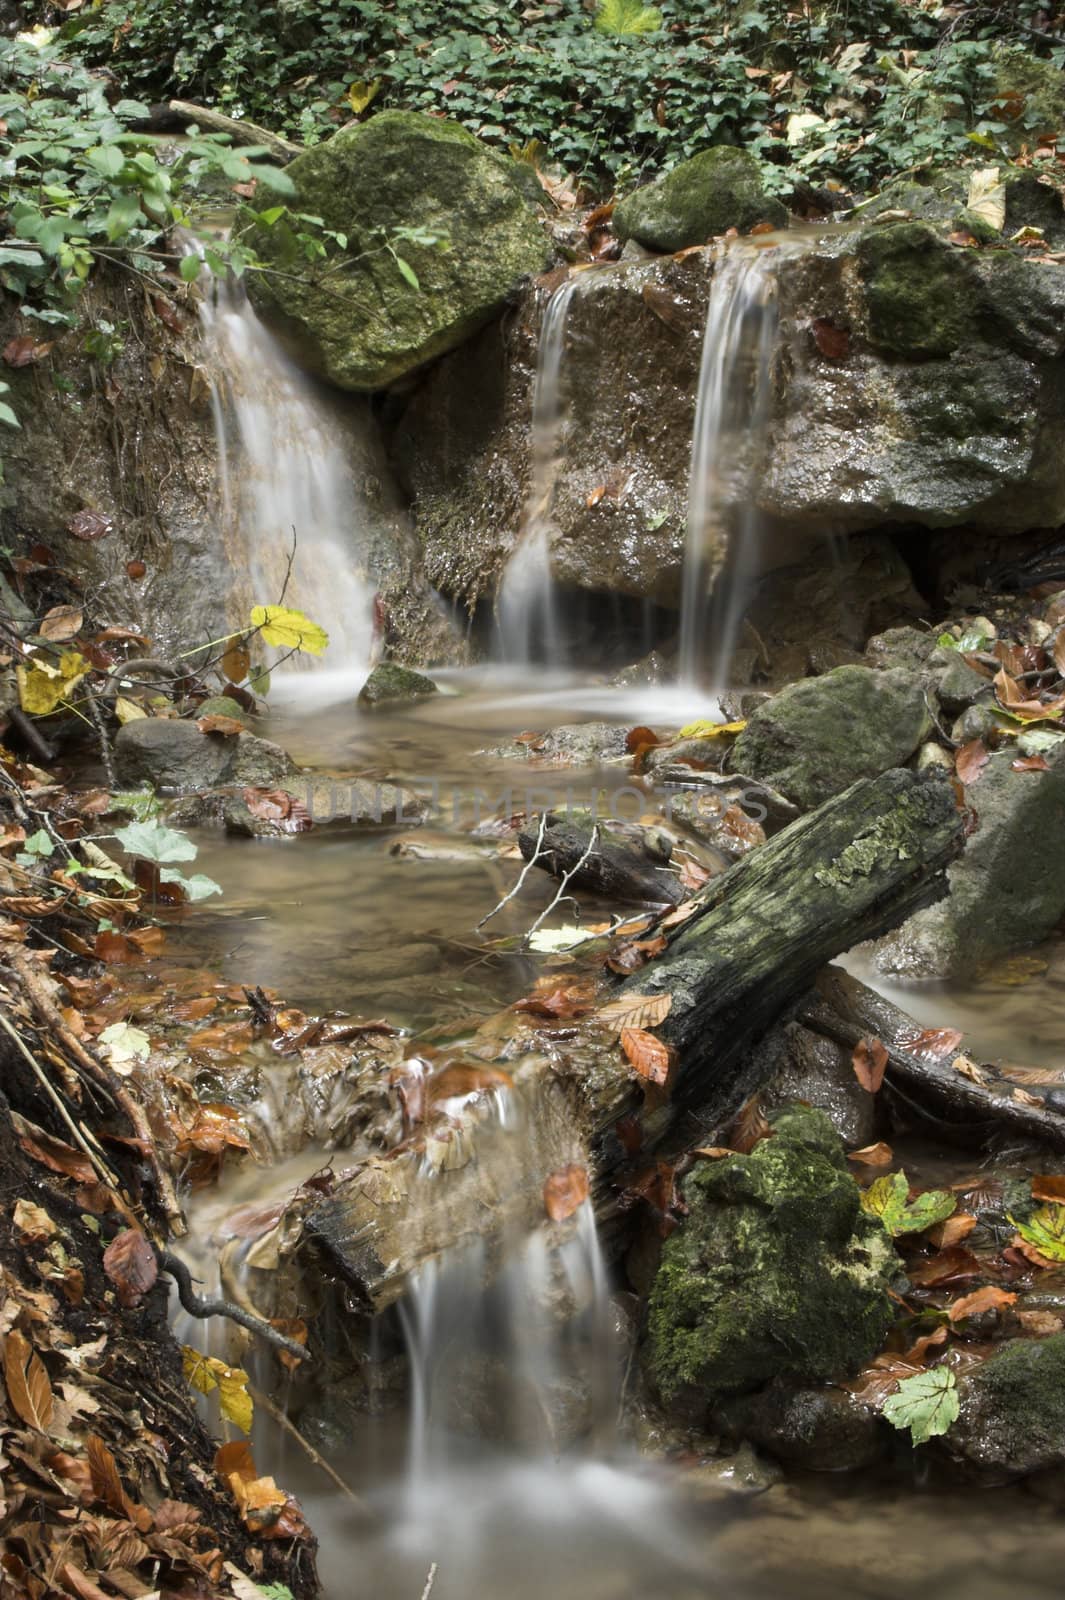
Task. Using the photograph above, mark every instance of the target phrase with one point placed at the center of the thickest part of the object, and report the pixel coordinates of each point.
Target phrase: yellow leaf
(207, 1373)
(360, 95)
(128, 710)
(711, 730)
(42, 686)
(987, 197)
(289, 629)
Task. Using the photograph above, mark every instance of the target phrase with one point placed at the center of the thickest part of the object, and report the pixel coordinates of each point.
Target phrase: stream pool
(341, 917)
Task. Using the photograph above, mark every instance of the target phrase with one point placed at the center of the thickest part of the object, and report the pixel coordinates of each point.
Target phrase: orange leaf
(565, 1191)
(1030, 764)
(989, 1298)
(870, 1061)
(229, 726)
(651, 1058)
(28, 1385)
(952, 1231)
(873, 1155)
(1049, 1188)
(949, 1266)
(640, 738)
(932, 1041)
(971, 760)
(130, 1263)
(106, 1483)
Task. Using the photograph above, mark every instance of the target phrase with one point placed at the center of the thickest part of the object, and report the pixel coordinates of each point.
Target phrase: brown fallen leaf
(32, 1223)
(1049, 1187)
(565, 1191)
(90, 525)
(24, 350)
(873, 1155)
(1030, 764)
(228, 726)
(635, 1011)
(989, 1298)
(952, 1231)
(1013, 698)
(971, 760)
(649, 1056)
(53, 1153)
(833, 342)
(1042, 1324)
(931, 1041)
(949, 1266)
(131, 1264)
(106, 1483)
(870, 1062)
(61, 624)
(558, 1001)
(749, 1127)
(29, 1387)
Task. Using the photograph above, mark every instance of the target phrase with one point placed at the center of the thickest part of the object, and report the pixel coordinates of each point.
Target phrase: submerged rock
(1012, 1410)
(579, 744)
(718, 189)
(1007, 890)
(165, 753)
(818, 1430)
(775, 1271)
(359, 318)
(390, 681)
(817, 737)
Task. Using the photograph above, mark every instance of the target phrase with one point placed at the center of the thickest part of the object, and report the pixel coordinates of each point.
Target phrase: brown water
(336, 918)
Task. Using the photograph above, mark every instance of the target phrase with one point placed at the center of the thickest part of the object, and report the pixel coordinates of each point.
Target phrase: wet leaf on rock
(870, 1061)
(90, 525)
(873, 1155)
(927, 1404)
(952, 1231)
(931, 1041)
(565, 1192)
(949, 1266)
(971, 760)
(989, 1298)
(32, 1223)
(1049, 1187)
(750, 1127)
(1043, 1234)
(61, 624)
(649, 1056)
(635, 1011)
(228, 726)
(888, 1199)
(130, 1263)
(833, 342)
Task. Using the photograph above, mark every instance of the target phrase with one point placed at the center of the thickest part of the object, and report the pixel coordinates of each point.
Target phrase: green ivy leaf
(927, 1404)
(887, 1199)
(154, 842)
(623, 17)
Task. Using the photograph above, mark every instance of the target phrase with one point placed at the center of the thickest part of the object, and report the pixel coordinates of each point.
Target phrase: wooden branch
(603, 865)
(240, 132)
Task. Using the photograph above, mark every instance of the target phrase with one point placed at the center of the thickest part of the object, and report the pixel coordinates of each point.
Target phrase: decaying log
(604, 865)
(849, 871)
(929, 1087)
(240, 132)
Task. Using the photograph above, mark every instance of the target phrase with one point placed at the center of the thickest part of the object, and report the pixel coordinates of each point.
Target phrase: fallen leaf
(1030, 764)
(25, 350)
(229, 726)
(1044, 1232)
(61, 624)
(833, 342)
(971, 760)
(641, 739)
(1043, 1324)
(873, 1155)
(989, 1298)
(931, 1041)
(207, 1373)
(1012, 698)
(28, 1385)
(635, 1011)
(90, 525)
(749, 1127)
(53, 1153)
(565, 1192)
(927, 1404)
(32, 1222)
(135, 569)
(952, 1230)
(949, 1266)
(649, 1056)
(106, 1483)
(870, 1062)
(131, 1264)
(1049, 1187)
(888, 1199)
(558, 1001)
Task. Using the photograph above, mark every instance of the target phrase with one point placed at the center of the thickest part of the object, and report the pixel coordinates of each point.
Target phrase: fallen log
(931, 1090)
(849, 871)
(240, 132)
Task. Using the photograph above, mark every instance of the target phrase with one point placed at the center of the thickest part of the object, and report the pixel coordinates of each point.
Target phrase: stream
(384, 922)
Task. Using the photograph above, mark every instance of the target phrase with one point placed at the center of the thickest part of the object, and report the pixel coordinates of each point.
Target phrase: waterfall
(284, 476)
(528, 625)
(728, 447)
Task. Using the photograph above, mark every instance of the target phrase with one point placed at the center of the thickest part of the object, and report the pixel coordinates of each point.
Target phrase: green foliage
(878, 86)
(888, 1199)
(1045, 1229)
(160, 846)
(927, 1404)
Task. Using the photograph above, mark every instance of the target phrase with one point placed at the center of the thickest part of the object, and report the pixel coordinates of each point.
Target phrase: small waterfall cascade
(728, 450)
(528, 623)
(284, 475)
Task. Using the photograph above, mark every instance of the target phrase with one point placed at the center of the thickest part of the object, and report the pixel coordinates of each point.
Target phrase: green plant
(160, 847)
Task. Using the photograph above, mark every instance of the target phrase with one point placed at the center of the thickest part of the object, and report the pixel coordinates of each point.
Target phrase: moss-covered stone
(820, 735)
(355, 317)
(718, 189)
(1031, 97)
(390, 681)
(941, 196)
(1012, 1415)
(222, 705)
(919, 291)
(775, 1272)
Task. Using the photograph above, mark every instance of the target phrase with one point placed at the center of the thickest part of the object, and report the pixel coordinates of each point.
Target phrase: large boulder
(1012, 1410)
(718, 189)
(363, 318)
(164, 753)
(817, 737)
(1008, 888)
(775, 1272)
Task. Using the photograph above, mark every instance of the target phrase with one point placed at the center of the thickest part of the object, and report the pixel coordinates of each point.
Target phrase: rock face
(817, 737)
(698, 200)
(1012, 1412)
(367, 324)
(168, 754)
(1008, 888)
(775, 1271)
(818, 1430)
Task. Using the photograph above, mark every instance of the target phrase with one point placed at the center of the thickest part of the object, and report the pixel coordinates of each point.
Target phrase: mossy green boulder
(919, 290)
(775, 1272)
(359, 317)
(1012, 1416)
(818, 736)
(718, 189)
(390, 681)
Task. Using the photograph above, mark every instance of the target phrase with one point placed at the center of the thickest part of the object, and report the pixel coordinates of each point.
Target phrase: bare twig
(526, 869)
(568, 878)
(214, 1306)
(32, 735)
(430, 1580)
(277, 1415)
(104, 742)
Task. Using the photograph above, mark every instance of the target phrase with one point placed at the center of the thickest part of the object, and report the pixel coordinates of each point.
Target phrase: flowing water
(290, 516)
(529, 627)
(470, 1473)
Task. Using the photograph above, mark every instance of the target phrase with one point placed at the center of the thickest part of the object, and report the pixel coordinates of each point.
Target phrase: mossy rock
(1030, 97)
(1012, 1411)
(941, 196)
(222, 705)
(818, 736)
(775, 1272)
(718, 189)
(389, 681)
(364, 324)
(920, 292)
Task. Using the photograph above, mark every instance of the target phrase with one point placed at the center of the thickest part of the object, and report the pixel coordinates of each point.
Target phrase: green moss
(1032, 93)
(1024, 1383)
(775, 1270)
(390, 681)
(919, 291)
(718, 189)
(366, 325)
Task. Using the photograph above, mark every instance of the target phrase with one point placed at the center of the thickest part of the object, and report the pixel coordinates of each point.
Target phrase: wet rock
(222, 705)
(390, 681)
(579, 744)
(818, 1430)
(941, 196)
(742, 1472)
(900, 647)
(1012, 1410)
(653, 668)
(487, 1400)
(367, 325)
(165, 753)
(974, 723)
(817, 737)
(710, 817)
(958, 685)
(774, 1272)
(919, 290)
(720, 188)
(1007, 890)
(817, 1070)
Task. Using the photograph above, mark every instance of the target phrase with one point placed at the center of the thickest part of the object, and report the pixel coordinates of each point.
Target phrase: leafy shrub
(614, 90)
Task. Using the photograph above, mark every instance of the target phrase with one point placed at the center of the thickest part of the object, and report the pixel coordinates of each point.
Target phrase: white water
(528, 627)
(284, 476)
(728, 445)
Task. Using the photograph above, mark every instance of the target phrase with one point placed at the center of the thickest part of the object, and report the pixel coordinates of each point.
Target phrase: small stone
(934, 755)
(166, 753)
(390, 681)
(718, 189)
